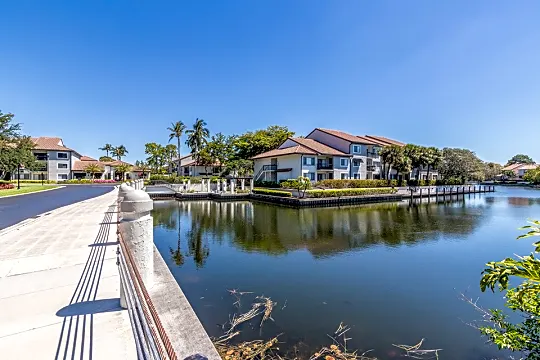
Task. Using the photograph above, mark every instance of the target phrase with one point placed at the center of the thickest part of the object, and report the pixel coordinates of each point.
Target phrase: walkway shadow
(104, 244)
(76, 338)
(90, 307)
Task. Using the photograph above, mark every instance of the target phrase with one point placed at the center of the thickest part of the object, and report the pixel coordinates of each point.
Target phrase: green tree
(250, 143)
(461, 164)
(119, 152)
(197, 137)
(176, 131)
(170, 152)
(402, 163)
(491, 170)
(239, 167)
(433, 158)
(524, 335)
(15, 149)
(390, 155)
(93, 169)
(107, 148)
(106, 159)
(156, 156)
(221, 148)
(416, 154)
(520, 159)
(532, 176)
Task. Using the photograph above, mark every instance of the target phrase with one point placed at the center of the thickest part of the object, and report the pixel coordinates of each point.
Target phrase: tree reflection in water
(274, 230)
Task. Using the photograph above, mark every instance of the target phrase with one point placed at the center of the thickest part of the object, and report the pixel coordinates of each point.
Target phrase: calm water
(392, 272)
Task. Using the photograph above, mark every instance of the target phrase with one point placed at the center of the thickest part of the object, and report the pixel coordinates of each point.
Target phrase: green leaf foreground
(524, 299)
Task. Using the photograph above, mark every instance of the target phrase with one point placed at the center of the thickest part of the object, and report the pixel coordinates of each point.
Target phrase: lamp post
(18, 176)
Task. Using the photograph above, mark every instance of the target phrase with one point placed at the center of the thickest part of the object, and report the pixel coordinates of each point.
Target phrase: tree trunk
(179, 156)
(388, 174)
(427, 175)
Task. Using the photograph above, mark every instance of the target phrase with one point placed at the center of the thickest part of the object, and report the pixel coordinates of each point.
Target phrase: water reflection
(274, 230)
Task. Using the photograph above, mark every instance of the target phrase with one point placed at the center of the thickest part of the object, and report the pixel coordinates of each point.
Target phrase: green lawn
(26, 188)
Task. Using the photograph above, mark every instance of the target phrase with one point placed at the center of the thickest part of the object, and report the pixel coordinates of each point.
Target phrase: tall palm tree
(176, 131)
(107, 148)
(390, 156)
(119, 152)
(197, 137)
(415, 153)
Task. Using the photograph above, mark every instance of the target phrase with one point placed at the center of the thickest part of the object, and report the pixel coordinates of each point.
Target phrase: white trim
(59, 168)
(62, 152)
(341, 162)
(59, 178)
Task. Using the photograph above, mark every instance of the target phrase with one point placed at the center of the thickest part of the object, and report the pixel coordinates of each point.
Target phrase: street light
(18, 176)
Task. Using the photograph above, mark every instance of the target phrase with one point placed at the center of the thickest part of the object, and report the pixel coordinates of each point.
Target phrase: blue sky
(443, 73)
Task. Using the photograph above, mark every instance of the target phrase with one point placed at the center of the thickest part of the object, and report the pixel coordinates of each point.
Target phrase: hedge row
(267, 184)
(355, 184)
(34, 181)
(272, 192)
(349, 192)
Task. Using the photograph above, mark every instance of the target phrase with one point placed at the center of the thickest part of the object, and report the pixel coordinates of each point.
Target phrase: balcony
(371, 168)
(373, 154)
(325, 166)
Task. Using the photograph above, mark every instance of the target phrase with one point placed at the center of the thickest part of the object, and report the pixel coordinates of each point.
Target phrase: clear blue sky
(443, 73)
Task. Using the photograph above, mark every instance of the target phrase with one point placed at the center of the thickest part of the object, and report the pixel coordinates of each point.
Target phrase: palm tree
(123, 169)
(390, 156)
(415, 153)
(402, 164)
(93, 169)
(176, 131)
(107, 148)
(119, 152)
(196, 137)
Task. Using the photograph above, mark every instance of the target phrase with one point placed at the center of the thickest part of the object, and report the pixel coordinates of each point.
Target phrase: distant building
(328, 154)
(519, 169)
(59, 163)
(190, 167)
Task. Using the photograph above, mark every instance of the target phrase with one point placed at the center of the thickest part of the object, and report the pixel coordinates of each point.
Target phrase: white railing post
(136, 228)
(251, 184)
(243, 184)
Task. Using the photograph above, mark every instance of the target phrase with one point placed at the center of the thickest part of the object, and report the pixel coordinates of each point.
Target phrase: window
(62, 155)
(309, 161)
(62, 166)
(356, 149)
(41, 157)
(343, 176)
(355, 176)
(62, 177)
(344, 162)
(356, 162)
(311, 176)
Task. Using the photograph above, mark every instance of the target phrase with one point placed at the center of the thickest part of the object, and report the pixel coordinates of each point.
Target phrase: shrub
(34, 181)
(354, 184)
(267, 184)
(422, 183)
(106, 181)
(272, 192)
(240, 191)
(174, 179)
(349, 192)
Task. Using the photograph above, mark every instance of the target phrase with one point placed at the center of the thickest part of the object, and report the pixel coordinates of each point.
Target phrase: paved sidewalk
(59, 286)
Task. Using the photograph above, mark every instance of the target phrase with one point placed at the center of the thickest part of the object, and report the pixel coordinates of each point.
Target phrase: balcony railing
(371, 168)
(373, 154)
(324, 166)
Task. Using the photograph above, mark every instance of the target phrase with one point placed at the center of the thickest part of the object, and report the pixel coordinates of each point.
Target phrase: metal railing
(151, 340)
(264, 169)
(324, 166)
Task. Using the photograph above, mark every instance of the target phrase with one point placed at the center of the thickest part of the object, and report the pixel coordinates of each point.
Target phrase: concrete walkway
(59, 286)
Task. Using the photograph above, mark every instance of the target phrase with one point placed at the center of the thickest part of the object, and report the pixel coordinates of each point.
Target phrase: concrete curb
(183, 327)
(33, 192)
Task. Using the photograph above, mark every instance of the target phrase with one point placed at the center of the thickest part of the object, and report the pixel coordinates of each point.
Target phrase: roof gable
(345, 136)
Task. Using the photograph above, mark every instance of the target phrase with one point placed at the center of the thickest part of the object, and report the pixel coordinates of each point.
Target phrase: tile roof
(347, 137)
(81, 165)
(299, 149)
(317, 146)
(87, 158)
(519, 166)
(49, 143)
(381, 140)
(194, 163)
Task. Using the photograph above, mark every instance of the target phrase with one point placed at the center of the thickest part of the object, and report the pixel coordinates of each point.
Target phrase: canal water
(392, 272)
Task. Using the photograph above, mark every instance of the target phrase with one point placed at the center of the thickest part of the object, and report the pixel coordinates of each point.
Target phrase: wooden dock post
(420, 194)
